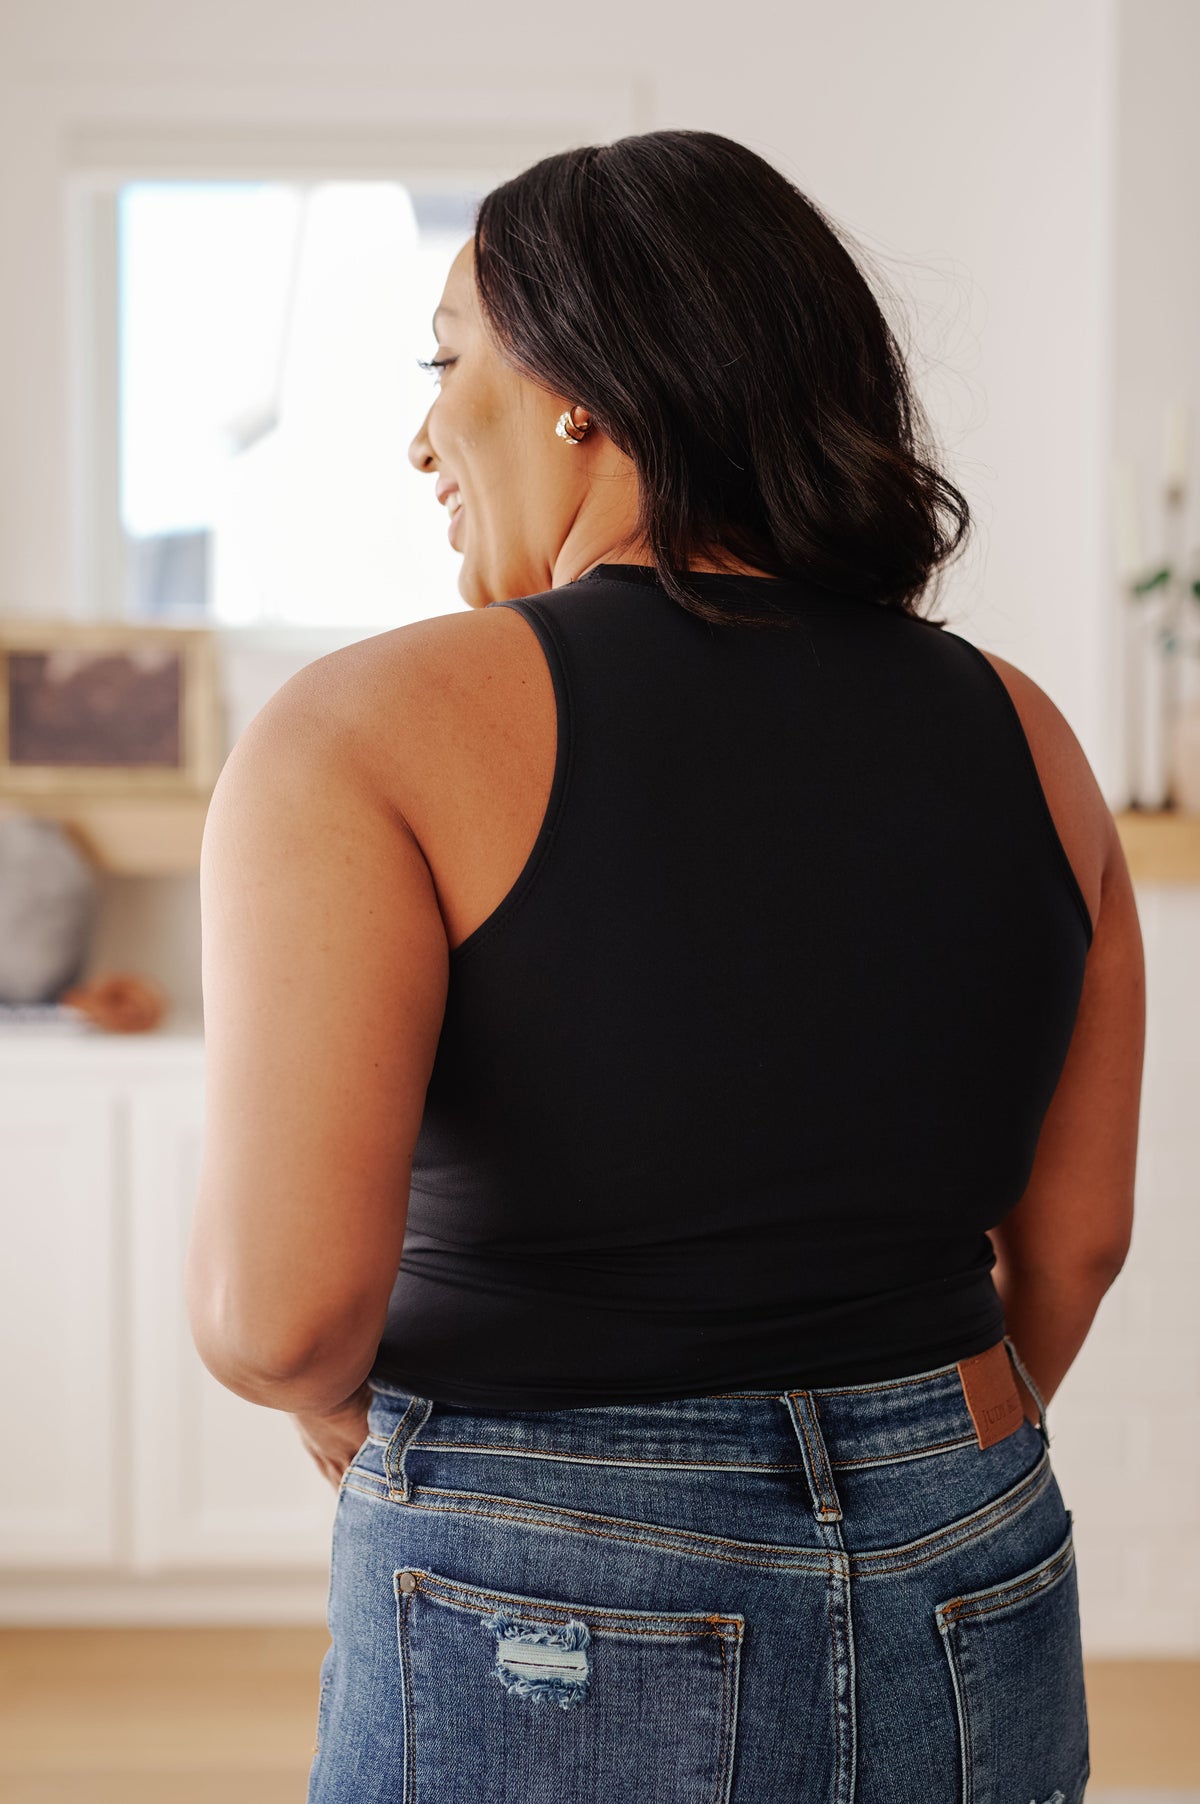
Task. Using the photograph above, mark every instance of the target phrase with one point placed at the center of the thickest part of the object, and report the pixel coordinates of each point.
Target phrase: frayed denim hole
(542, 1664)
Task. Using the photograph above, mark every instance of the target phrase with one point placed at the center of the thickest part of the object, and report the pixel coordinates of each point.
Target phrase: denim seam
(728, 1729)
(1017, 1591)
(699, 1465)
(851, 1688)
(929, 1451)
(869, 1563)
(882, 1562)
(401, 1439)
(960, 1712)
(410, 1714)
(822, 1477)
(505, 1450)
(835, 1726)
(722, 1730)
(805, 1560)
(379, 1490)
(680, 1625)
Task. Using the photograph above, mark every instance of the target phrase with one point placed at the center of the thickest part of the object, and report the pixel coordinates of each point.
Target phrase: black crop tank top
(734, 1079)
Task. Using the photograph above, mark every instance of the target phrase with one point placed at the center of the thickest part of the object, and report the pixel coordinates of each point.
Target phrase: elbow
(239, 1355)
(303, 1371)
(1109, 1263)
(240, 1364)
(1092, 1266)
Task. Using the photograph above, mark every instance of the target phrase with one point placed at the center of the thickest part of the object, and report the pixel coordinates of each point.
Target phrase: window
(267, 392)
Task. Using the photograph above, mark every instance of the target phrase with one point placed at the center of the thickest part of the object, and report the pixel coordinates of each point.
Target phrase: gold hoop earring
(568, 430)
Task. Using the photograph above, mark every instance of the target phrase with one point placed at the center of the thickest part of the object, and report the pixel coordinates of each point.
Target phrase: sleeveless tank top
(734, 1079)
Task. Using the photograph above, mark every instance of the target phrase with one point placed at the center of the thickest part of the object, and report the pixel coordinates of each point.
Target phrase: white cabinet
(58, 1312)
(120, 1455)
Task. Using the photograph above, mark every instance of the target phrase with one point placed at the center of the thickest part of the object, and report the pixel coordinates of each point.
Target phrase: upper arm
(324, 976)
(1077, 1209)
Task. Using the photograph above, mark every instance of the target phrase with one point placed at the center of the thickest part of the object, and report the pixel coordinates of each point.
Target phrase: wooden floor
(193, 1716)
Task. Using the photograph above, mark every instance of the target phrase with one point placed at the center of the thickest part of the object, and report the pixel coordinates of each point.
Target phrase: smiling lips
(451, 500)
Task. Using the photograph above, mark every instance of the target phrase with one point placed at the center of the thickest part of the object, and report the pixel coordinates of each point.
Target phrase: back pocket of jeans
(541, 1700)
(1016, 1661)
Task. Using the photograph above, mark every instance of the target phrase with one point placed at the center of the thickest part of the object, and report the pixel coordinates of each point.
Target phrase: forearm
(1047, 1316)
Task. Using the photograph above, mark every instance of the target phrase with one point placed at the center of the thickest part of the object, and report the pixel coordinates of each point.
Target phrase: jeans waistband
(823, 1429)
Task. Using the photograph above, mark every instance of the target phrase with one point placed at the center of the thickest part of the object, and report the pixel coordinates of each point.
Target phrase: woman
(723, 984)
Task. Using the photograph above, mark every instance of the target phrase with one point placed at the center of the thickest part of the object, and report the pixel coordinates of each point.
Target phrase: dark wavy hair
(718, 331)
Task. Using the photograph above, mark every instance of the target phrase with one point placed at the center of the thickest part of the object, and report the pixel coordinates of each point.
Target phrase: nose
(420, 452)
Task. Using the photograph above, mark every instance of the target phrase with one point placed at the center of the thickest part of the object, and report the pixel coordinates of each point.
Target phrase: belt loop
(404, 1433)
(1034, 1392)
(826, 1503)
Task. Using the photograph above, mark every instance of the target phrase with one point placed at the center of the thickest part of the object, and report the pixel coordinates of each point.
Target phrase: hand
(333, 1439)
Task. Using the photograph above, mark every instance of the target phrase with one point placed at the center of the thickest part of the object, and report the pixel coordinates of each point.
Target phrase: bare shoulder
(1080, 813)
(401, 702)
(422, 663)
(450, 722)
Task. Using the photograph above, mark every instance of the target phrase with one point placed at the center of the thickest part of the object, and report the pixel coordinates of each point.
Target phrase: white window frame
(103, 158)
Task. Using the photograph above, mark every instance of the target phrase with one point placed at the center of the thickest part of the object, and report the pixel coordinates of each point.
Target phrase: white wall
(972, 160)
(1125, 1418)
(1002, 175)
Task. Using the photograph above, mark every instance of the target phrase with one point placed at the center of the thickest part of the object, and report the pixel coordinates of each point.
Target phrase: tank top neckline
(646, 573)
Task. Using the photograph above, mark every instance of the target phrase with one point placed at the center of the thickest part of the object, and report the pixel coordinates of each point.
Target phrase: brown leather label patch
(990, 1389)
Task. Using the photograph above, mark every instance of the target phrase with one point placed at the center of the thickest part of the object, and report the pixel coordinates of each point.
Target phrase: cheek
(462, 430)
(490, 459)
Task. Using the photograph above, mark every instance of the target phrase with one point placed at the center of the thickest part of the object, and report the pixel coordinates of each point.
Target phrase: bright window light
(268, 392)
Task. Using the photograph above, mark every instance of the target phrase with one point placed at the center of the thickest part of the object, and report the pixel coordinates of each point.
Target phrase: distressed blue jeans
(831, 1596)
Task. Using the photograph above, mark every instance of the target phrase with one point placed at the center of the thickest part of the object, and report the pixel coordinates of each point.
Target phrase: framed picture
(89, 708)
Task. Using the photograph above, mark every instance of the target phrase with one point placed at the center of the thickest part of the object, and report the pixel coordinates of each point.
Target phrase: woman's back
(612, 1001)
(760, 1038)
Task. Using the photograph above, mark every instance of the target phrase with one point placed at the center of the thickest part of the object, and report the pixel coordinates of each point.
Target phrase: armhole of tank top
(1012, 713)
(526, 877)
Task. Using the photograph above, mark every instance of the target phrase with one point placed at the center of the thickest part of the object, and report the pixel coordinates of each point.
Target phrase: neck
(604, 528)
(573, 562)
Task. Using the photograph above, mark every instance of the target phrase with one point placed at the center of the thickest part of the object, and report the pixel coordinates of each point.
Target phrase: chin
(473, 592)
(478, 590)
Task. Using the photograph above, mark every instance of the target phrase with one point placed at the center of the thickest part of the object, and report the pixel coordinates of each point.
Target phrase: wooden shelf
(135, 836)
(1161, 846)
(148, 837)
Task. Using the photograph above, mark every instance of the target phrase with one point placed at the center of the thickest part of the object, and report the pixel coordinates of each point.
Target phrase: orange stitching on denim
(837, 1740)
(469, 1595)
(604, 1459)
(865, 1564)
(816, 1462)
(892, 1459)
(952, 1542)
(888, 1384)
(812, 1464)
(574, 1519)
(724, 1711)
(410, 1725)
(868, 1564)
(792, 1564)
(822, 1452)
(726, 1715)
(1018, 1591)
(699, 1465)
